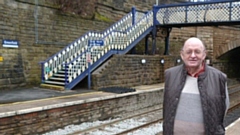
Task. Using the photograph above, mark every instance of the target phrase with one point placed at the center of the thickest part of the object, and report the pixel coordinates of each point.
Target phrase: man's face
(193, 53)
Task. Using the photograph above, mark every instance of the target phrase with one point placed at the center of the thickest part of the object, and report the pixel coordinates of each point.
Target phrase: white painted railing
(74, 55)
(113, 41)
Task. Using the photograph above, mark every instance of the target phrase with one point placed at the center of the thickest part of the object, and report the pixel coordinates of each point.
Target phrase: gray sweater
(189, 116)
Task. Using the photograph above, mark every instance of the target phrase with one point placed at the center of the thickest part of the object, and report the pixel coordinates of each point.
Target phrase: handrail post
(42, 74)
(88, 57)
(133, 15)
(65, 64)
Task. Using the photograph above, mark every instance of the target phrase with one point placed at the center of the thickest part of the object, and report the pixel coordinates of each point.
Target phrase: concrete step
(52, 87)
(59, 75)
(57, 79)
(54, 82)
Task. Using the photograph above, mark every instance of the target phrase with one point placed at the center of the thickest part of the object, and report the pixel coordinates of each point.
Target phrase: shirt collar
(199, 72)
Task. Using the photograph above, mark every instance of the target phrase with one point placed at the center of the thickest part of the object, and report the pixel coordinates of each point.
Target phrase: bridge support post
(153, 45)
(89, 75)
(146, 44)
(166, 52)
(154, 31)
(133, 51)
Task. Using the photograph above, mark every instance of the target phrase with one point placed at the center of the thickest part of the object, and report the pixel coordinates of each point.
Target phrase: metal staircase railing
(70, 65)
(116, 42)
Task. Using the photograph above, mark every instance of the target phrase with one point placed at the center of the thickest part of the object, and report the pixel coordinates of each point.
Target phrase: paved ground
(233, 129)
(18, 95)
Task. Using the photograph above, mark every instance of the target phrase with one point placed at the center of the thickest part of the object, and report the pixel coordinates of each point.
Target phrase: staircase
(68, 67)
(72, 64)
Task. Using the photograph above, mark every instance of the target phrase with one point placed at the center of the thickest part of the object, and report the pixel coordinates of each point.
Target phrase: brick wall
(128, 71)
(42, 31)
(40, 122)
(20, 66)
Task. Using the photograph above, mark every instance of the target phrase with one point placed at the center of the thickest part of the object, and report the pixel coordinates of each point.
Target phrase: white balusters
(117, 37)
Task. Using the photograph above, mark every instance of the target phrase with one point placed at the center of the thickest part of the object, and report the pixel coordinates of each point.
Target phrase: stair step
(59, 75)
(53, 87)
(55, 82)
(61, 71)
(57, 78)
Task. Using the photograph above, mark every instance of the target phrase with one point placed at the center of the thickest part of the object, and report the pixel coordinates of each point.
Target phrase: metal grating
(199, 13)
(217, 12)
(235, 11)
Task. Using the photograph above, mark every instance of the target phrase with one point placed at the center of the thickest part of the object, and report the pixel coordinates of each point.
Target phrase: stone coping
(25, 107)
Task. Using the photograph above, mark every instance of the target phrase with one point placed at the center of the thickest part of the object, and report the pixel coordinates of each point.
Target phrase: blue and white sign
(10, 43)
(95, 43)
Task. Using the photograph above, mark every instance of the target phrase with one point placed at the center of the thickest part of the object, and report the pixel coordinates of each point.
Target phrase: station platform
(22, 101)
(234, 128)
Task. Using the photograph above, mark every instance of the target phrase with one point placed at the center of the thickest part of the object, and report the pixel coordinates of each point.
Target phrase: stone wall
(38, 122)
(128, 71)
(43, 31)
(39, 39)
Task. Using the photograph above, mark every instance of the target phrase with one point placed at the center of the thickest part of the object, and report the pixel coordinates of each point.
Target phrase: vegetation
(83, 8)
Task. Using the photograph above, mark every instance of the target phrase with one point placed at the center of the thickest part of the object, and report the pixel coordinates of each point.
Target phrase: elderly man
(195, 95)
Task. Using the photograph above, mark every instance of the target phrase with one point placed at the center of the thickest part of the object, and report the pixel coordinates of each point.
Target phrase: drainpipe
(37, 41)
(36, 21)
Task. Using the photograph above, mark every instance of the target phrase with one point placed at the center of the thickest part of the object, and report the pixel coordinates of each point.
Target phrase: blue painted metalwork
(146, 44)
(218, 12)
(166, 52)
(133, 15)
(123, 36)
(105, 57)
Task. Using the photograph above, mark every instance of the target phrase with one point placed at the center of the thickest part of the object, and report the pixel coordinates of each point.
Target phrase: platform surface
(234, 128)
(21, 101)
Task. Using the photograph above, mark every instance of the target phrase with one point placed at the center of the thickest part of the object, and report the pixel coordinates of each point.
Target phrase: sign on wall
(95, 42)
(1, 59)
(10, 43)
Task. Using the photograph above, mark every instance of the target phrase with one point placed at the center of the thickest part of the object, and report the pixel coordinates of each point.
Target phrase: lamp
(162, 61)
(143, 61)
(178, 60)
(207, 61)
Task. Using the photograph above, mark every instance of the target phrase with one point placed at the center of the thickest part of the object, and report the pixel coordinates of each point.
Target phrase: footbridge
(77, 60)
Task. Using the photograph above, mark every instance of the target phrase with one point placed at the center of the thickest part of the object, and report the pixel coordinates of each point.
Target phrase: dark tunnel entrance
(232, 62)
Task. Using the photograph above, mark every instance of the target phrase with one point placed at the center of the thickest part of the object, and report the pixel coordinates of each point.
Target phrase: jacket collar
(201, 74)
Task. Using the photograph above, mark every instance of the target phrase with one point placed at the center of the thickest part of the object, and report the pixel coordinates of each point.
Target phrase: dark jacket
(212, 86)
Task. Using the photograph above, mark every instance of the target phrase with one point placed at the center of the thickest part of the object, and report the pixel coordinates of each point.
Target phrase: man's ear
(205, 54)
(181, 54)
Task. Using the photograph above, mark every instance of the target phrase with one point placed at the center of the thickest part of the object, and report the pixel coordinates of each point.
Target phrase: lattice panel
(215, 12)
(160, 15)
(196, 13)
(171, 15)
(235, 11)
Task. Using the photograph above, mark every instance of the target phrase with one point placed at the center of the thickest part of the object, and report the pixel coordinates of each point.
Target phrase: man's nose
(193, 54)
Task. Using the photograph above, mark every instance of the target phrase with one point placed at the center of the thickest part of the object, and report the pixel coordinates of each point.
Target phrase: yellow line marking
(75, 95)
